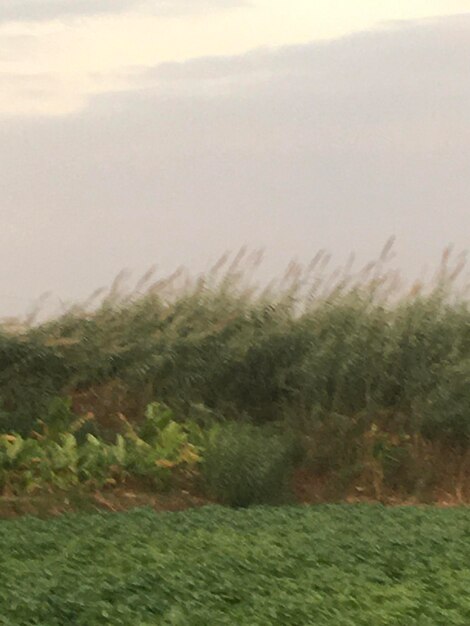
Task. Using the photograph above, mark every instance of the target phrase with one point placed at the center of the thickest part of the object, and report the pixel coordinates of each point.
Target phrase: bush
(447, 414)
(245, 464)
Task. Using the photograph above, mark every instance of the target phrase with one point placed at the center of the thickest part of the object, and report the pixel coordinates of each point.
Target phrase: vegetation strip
(368, 383)
(327, 565)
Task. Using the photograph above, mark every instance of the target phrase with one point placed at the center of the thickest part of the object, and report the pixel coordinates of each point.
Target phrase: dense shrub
(245, 464)
(447, 412)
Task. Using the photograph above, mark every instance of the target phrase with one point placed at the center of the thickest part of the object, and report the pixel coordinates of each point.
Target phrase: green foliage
(245, 465)
(158, 419)
(59, 418)
(31, 374)
(323, 356)
(56, 459)
(327, 565)
(447, 412)
(239, 354)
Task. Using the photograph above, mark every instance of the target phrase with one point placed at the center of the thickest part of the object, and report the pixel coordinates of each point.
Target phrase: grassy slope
(335, 565)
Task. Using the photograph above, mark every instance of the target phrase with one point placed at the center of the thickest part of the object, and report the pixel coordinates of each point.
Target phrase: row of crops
(327, 565)
(63, 454)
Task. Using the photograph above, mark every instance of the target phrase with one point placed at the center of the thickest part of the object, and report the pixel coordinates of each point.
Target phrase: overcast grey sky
(335, 143)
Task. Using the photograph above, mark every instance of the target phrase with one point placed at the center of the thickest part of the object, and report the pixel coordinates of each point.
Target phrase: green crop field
(336, 565)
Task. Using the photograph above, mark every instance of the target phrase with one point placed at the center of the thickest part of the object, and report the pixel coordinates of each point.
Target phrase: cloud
(335, 145)
(43, 10)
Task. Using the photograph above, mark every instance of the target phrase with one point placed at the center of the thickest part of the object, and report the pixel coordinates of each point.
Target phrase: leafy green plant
(159, 446)
(101, 463)
(61, 462)
(21, 461)
(55, 459)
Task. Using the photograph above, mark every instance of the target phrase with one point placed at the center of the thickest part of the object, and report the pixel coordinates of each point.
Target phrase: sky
(166, 132)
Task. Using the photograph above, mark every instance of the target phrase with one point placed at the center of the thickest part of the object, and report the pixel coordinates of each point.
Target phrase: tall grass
(329, 353)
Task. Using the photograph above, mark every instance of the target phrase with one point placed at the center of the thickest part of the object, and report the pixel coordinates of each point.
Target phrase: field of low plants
(332, 565)
(321, 387)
